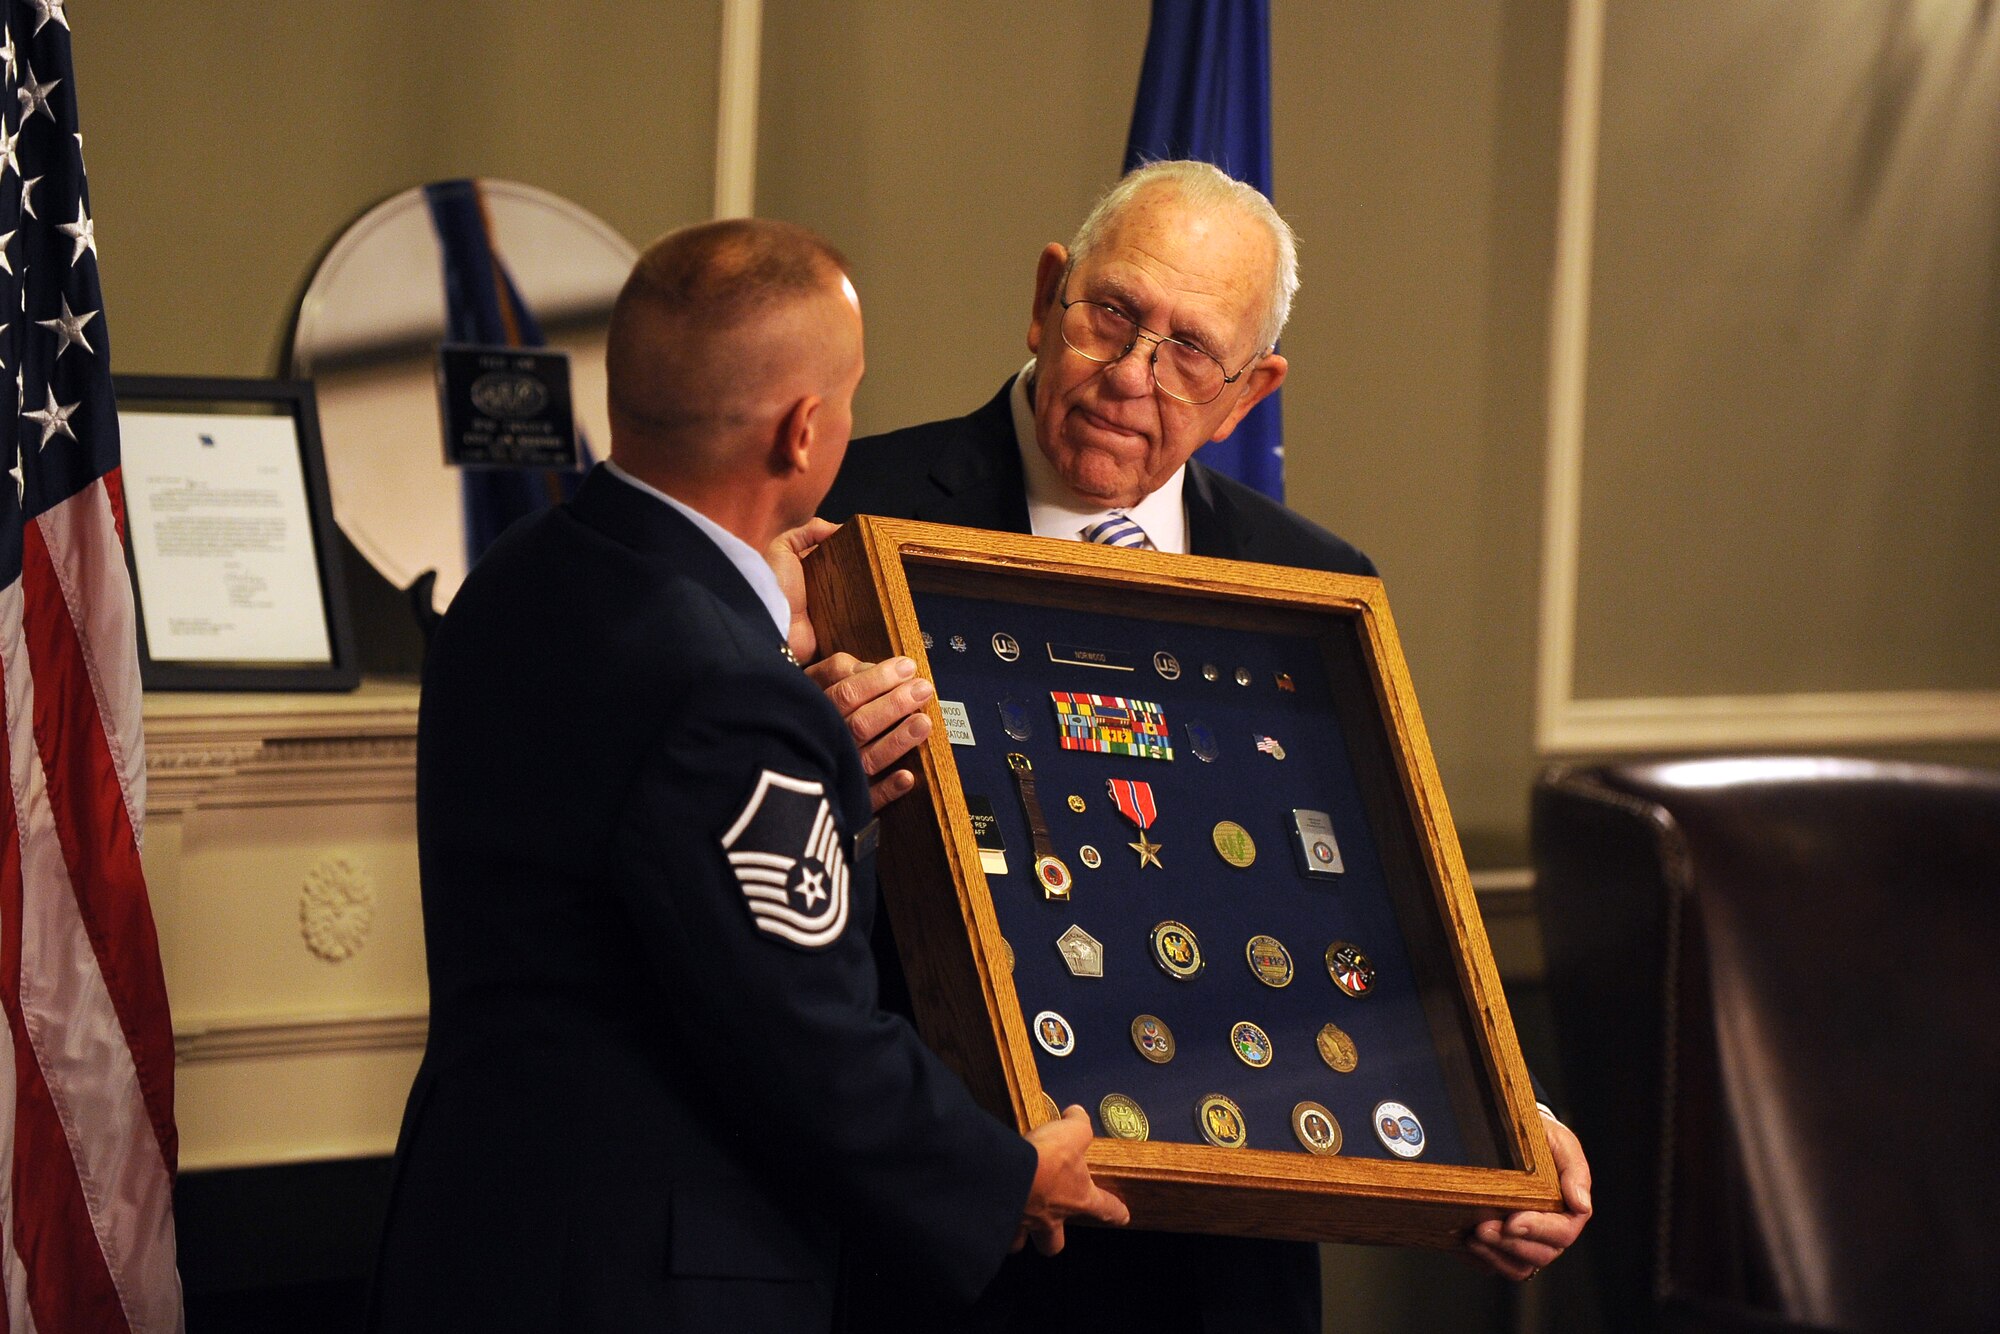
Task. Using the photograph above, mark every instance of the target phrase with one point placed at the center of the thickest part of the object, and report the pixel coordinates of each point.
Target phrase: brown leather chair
(1776, 986)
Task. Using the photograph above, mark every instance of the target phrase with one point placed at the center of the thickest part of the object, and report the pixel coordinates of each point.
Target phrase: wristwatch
(1055, 878)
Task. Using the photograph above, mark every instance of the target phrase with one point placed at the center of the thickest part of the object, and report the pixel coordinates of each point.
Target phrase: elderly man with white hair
(1152, 333)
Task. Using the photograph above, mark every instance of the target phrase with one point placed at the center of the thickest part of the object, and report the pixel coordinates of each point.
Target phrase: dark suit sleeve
(780, 1019)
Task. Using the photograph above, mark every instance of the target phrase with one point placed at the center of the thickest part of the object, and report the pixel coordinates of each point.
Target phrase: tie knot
(1118, 530)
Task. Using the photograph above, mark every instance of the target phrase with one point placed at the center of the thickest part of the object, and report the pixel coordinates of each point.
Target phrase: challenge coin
(1007, 954)
(1209, 672)
(1398, 1129)
(1169, 667)
(1251, 1044)
(1076, 803)
(1006, 647)
(1122, 1118)
(1090, 857)
(958, 643)
(1243, 676)
(1269, 960)
(1316, 1128)
(1337, 1049)
(1153, 1038)
(1050, 1112)
(1221, 1122)
(1054, 1033)
(1349, 968)
(1234, 843)
(1081, 952)
(1176, 950)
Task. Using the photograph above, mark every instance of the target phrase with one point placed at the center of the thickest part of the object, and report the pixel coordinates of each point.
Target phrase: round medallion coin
(1054, 1033)
(1209, 672)
(1153, 1038)
(1243, 676)
(1269, 960)
(1234, 843)
(1251, 1044)
(1090, 857)
(958, 643)
(1316, 1128)
(1176, 950)
(1006, 647)
(1076, 803)
(1007, 953)
(1049, 1110)
(1168, 666)
(1337, 1049)
(1122, 1118)
(1398, 1129)
(1221, 1122)
(1349, 968)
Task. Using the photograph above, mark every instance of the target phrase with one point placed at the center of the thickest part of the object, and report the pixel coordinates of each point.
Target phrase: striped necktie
(1118, 530)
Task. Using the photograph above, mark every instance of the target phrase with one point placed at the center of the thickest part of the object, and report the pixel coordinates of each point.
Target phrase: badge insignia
(785, 849)
(1054, 1034)
(1111, 725)
(1122, 1118)
(1349, 968)
(1243, 676)
(1201, 740)
(1318, 851)
(1221, 1122)
(958, 643)
(1398, 1129)
(1316, 1128)
(926, 637)
(957, 722)
(1269, 960)
(1251, 1045)
(1153, 1038)
(1176, 950)
(1233, 843)
(1081, 952)
(1014, 719)
(1270, 746)
(1290, 687)
(1337, 1050)
(1006, 647)
(1076, 803)
(986, 834)
(1090, 857)
(1135, 802)
(1209, 672)
(1167, 665)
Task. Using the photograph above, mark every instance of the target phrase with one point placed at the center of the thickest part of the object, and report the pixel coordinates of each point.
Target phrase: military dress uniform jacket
(658, 1092)
(967, 470)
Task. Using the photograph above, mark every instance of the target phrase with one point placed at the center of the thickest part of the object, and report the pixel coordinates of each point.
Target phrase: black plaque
(506, 407)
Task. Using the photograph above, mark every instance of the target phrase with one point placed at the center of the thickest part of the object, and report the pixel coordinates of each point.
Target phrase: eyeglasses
(1105, 334)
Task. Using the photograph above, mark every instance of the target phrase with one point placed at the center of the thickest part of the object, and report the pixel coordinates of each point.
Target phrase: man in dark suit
(1153, 332)
(658, 1092)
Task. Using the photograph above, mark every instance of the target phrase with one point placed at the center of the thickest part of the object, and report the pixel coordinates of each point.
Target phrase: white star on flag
(52, 417)
(28, 198)
(68, 328)
(10, 156)
(83, 231)
(34, 96)
(46, 10)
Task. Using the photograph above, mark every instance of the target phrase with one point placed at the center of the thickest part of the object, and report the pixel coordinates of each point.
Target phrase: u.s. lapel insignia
(785, 850)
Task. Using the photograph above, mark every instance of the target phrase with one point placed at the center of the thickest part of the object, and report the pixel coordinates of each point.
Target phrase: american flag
(86, 1054)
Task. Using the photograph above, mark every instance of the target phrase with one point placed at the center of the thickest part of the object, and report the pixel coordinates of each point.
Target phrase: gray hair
(1206, 188)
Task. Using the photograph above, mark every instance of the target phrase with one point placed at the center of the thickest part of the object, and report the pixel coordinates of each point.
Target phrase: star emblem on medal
(784, 847)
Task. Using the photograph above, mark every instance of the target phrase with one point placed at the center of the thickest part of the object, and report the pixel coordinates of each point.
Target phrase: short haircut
(1206, 188)
(687, 294)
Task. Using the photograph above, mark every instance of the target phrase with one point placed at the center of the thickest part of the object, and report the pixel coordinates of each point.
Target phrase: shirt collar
(1056, 511)
(749, 562)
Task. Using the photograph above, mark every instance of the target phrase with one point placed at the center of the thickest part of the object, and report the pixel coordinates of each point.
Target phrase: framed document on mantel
(230, 536)
(1178, 852)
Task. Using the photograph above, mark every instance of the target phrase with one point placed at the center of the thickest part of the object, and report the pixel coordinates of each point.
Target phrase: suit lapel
(978, 475)
(1212, 529)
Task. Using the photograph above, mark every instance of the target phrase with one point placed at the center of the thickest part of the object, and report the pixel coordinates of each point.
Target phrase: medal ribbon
(1135, 800)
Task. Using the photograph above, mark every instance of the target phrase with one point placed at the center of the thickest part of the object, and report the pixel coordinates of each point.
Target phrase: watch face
(1054, 877)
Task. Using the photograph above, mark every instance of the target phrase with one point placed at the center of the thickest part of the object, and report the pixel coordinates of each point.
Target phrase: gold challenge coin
(1123, 1118)
(1337, 1049)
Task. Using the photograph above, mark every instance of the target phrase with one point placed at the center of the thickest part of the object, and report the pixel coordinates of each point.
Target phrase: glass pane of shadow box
(1178, 852)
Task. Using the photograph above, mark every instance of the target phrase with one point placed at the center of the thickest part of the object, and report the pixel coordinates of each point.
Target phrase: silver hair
(1205, 187)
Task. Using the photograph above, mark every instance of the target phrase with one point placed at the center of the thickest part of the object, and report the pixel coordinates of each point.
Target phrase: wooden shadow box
(1227, 767)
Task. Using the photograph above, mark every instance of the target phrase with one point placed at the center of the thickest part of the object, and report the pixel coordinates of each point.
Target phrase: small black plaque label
(506, 407)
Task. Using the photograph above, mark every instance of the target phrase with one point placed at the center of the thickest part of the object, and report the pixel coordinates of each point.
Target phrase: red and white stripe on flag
(87, 1134)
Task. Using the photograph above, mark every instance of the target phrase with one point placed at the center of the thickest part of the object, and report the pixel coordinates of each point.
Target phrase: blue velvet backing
(1225, 905)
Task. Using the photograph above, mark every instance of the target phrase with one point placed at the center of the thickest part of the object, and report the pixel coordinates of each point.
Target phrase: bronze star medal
(1135, 803)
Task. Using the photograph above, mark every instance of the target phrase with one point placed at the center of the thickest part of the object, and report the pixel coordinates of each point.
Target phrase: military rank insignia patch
(785, 850)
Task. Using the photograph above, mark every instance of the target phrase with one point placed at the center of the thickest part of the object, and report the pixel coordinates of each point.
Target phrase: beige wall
(942, 144)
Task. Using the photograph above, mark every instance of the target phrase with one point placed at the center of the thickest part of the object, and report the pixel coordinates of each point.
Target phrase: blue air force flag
(785, 850)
